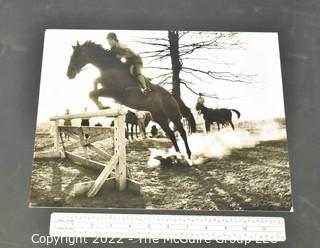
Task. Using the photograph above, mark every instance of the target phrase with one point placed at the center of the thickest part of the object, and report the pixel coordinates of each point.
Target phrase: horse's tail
(237, 112)
(191, 121)
(186, 112)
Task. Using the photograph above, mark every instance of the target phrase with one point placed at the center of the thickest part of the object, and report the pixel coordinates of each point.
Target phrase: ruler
(152, 226)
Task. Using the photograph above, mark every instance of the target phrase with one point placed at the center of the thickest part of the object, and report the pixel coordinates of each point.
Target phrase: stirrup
(145, 91)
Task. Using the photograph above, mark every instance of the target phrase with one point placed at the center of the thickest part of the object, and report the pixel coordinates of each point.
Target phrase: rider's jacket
(125, 52)
(200, 100)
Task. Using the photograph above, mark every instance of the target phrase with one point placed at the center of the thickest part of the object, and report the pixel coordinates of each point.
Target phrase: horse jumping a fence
(116, 82)
(115, 171)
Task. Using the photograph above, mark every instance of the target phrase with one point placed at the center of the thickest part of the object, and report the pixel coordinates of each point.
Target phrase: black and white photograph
(170, 120)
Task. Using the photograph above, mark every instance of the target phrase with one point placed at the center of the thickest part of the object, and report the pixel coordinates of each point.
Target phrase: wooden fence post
(120, 151)
(56, 136)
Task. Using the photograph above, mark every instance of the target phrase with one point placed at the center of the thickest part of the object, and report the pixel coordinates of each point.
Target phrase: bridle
(84, 57)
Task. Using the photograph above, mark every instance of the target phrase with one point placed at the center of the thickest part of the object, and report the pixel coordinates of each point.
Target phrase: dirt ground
(255, 178)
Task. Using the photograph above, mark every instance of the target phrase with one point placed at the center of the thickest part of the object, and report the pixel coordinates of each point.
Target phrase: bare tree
(180, 47)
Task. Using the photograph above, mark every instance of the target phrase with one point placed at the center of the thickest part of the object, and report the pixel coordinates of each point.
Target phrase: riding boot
(145, 90)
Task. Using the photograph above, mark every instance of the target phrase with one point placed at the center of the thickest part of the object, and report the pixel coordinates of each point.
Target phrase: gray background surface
(22, 25)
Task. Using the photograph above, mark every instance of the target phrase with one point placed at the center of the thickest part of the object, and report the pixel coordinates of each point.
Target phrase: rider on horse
(123, 52)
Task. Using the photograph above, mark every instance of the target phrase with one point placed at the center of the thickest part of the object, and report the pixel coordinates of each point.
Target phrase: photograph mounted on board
(186, 120)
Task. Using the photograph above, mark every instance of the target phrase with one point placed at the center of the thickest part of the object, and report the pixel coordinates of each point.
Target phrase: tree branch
(226, 76)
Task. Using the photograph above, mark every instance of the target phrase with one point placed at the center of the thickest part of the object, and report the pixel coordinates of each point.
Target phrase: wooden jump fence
(115, 171)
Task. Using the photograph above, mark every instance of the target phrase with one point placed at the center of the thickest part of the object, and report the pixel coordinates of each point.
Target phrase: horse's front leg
(94, 95)
(207, 123)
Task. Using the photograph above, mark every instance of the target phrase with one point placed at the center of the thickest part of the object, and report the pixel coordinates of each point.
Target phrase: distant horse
(220, 116)
(133, 120)
(67, 123)
(117, 82)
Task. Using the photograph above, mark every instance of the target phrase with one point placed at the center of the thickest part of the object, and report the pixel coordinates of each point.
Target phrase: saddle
(147, 79)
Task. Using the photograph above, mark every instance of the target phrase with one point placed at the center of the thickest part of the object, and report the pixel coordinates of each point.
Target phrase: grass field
(252, 178)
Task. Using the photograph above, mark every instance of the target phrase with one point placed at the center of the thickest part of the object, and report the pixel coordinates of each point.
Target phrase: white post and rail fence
(114, 172)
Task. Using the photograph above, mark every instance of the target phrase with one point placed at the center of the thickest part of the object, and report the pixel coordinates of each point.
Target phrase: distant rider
(200, 99)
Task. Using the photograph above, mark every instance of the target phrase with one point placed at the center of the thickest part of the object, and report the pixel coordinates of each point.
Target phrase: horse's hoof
(189, 162)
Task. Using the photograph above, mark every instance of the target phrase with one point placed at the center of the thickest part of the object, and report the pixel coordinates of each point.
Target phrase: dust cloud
(218, 144)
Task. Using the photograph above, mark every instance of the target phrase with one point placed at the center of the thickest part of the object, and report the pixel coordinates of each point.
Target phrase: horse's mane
(95, 46)
(101, 53)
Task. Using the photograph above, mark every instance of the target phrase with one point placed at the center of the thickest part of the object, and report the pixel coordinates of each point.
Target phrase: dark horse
(220, 116)
(116, 82)
(132, 119)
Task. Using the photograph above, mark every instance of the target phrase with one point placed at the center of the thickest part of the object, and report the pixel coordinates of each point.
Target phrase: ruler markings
(167, 226)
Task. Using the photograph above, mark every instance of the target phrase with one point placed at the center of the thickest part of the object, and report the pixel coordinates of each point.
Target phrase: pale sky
(259, 56)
